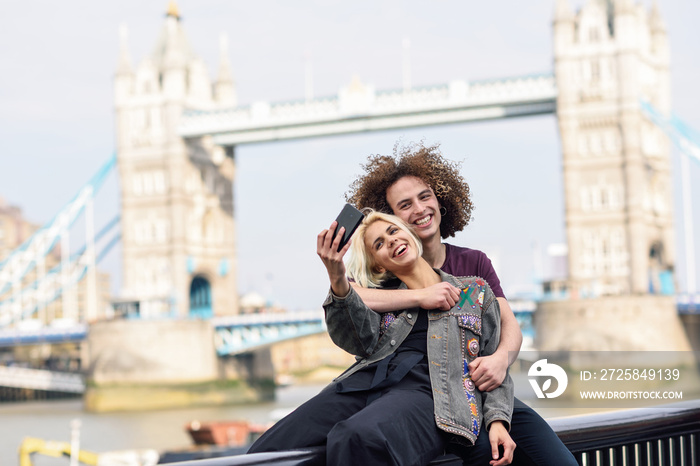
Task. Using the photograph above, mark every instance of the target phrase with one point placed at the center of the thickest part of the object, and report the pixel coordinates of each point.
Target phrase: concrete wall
(139, 365)
(614, 323)
(691, 323)
(151, 352)
(255, 367)
(304, 355)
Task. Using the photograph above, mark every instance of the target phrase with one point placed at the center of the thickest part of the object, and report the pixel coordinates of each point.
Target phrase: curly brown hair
(426, 163)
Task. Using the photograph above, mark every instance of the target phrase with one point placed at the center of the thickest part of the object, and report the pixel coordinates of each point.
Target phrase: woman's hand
(498, 436)
(327, 249)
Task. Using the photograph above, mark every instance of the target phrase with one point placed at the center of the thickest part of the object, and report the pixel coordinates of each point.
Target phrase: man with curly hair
(428, 192)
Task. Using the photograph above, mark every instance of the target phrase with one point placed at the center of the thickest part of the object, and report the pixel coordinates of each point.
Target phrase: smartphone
(350, 218)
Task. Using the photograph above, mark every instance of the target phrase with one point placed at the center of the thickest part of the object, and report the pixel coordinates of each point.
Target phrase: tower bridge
(359, 108)
(177, 131)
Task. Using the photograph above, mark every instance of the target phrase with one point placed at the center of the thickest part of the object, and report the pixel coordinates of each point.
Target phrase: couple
(432, 331)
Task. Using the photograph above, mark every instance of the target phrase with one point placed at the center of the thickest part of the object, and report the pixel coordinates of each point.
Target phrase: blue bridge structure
(233, 334)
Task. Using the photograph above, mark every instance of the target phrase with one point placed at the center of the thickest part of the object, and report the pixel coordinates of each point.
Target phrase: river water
(160, 430)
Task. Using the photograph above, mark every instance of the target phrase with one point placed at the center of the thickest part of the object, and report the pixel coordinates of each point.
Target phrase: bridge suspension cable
(24, 299)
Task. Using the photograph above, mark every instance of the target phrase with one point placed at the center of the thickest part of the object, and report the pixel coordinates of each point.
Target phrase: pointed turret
(625, 25)
(224, 89)
(172, 54)
(199, 84)
(124, 75)
(564, 28)
(124, 62)
(174, 48)
(173, 10)
(623, 6)
(660, 50)
(656, 23)
(563, 11)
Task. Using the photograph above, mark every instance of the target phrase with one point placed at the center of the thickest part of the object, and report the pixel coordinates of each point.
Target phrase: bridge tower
(616, 163)
(617, 181)
(178, 230)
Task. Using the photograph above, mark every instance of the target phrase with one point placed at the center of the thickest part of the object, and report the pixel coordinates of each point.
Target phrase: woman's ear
(379, 269)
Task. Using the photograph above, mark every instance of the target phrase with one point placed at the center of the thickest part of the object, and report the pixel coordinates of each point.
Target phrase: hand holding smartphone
(350, 218)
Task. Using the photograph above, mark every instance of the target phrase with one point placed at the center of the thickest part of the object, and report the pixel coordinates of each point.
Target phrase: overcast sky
(56, 115)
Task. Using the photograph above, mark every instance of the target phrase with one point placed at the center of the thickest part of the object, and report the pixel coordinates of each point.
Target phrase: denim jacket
(455, 337)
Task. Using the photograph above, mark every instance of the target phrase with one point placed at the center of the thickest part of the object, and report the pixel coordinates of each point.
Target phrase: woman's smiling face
(391, 247)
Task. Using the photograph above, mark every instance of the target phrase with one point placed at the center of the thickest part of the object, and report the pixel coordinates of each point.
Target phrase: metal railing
(667, 435)
(40, 379)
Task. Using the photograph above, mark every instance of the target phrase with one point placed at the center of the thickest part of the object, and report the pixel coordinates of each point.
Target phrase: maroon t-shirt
(465, 262)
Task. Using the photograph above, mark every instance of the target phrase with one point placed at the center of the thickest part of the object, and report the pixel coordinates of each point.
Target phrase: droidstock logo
(541, 369)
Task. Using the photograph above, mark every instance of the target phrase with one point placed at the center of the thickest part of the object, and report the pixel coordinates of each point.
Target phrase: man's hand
(488, 372)
(441, 296)
(498, 436)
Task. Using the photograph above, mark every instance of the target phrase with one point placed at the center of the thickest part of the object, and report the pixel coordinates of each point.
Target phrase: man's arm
(488, 372)
(441, 296)
(497, 404)
(511, 336)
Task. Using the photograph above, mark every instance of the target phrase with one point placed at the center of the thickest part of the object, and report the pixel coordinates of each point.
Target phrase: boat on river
(236, 433)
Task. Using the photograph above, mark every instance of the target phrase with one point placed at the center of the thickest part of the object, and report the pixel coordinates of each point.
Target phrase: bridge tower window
(594, 34)
(200, 298)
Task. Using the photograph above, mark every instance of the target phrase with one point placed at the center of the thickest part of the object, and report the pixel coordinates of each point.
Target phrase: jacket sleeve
(352, 325)
(498, 403)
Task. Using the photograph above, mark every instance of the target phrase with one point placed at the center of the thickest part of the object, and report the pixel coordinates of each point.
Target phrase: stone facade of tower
(178, 230)
(617, 181)
(616, 163)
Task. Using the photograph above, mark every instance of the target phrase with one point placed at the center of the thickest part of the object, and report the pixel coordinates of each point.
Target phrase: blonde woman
(410, 394)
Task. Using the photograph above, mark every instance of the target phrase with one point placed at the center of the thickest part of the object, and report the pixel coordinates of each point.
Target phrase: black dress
(382, 414)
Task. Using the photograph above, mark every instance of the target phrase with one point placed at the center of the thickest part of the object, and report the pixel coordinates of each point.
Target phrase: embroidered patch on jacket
(471, 398)
(463, 296)
(475, 427)
(482, 289)
(473, 347)
(388, 318)
(471, 322)
(472, 406)
(473, 295)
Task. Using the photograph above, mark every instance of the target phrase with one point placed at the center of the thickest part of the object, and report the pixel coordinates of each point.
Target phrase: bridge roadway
(358, 108)
(232, 334)
(243, 333)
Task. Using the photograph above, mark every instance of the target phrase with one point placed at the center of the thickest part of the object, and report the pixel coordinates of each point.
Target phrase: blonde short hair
(361, 266)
